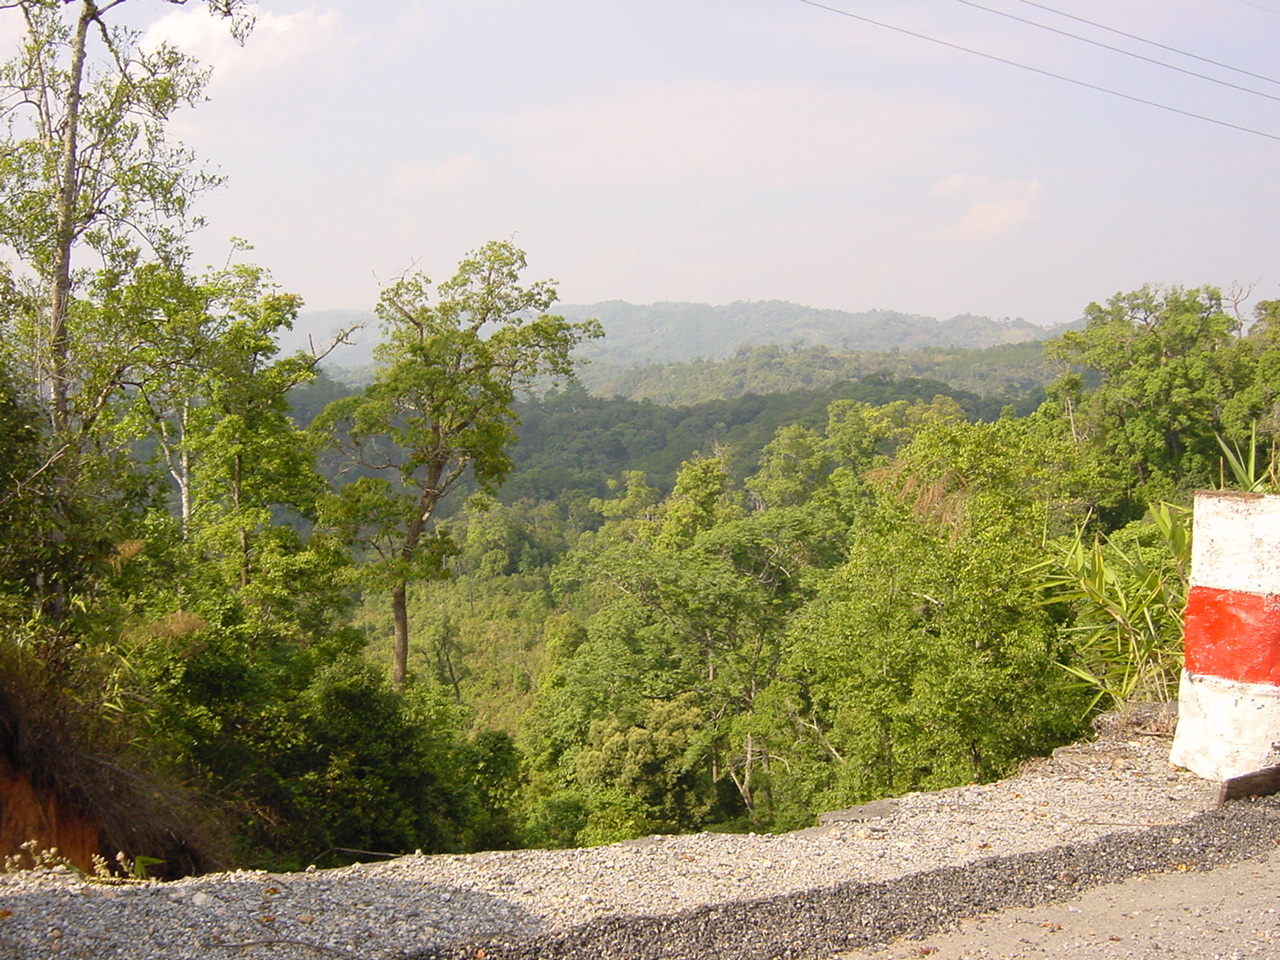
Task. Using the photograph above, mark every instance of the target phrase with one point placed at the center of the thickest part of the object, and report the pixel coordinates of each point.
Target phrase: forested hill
(658, 333)
(1009, 370)
(680, 331)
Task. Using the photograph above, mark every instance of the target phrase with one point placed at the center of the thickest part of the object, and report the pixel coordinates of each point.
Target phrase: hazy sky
(721, 150)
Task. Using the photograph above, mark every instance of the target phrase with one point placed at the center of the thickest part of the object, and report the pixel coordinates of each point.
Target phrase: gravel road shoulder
(1090, 816)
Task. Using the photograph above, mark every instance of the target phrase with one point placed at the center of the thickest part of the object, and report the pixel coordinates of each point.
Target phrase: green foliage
(852, 632)
(658, 699)
(490, 765)
(987, 379)
(86, 162)
(728, 614)
(360, 766)
(1127, 592)
(481, 636)
(186, 620)
(440, 408)
(556, 819)
(614, 815)
(58, 544)
(129, 177)
(293, 732)
(573, 445)
(210, 397)
(1248, 472)
(1171, 363)
(926, 660)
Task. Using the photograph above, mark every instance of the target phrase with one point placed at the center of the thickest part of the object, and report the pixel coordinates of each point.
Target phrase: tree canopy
(440, 407)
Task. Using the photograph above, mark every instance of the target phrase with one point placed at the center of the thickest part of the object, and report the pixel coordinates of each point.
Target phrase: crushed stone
(1090, 814)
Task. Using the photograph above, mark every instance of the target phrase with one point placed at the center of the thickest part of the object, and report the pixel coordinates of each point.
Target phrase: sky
(725, 150)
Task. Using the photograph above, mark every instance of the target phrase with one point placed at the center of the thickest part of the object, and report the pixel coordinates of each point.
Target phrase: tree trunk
(743, 783)
(399, 596)
(242, 531)
(65, 229)
(400, 654)
(184, 491)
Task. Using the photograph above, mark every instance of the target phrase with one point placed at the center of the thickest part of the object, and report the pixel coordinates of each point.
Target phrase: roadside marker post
(1229, 694)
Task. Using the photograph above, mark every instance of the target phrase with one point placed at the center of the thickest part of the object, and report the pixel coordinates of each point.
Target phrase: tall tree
(87, 166)
(440, 409)
(211, 394)
(1168, 364)
(86, 162)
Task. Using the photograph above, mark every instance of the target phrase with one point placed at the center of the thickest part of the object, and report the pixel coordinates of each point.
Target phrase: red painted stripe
(1233, 635)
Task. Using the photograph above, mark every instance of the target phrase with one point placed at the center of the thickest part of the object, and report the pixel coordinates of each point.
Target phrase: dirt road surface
(1228, 913)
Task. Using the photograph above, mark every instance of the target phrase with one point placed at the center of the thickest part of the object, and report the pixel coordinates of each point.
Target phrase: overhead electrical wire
(1041, 72)
(1258, 6)
(1120, 50)
(1162, 46)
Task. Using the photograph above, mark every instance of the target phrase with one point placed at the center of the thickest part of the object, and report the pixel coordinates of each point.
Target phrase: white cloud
(412, 179)
(743, 136)
(409, 27)
(996, 208)
(280, 43)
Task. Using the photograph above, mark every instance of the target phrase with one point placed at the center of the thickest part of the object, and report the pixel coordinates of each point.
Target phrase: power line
(1120, 50)
(1037, 70)
(1182, 53)
(1258, 6)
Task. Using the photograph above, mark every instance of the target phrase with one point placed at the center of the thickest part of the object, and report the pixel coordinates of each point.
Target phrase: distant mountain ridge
(672, 332)
(665, 332)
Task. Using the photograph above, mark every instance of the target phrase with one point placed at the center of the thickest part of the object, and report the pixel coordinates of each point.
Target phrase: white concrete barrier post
(1229, 696)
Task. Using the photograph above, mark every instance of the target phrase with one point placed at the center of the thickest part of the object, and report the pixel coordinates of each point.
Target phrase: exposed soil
(27, 815)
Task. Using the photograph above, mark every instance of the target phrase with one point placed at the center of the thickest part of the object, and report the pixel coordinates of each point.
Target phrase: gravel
(1091, 814)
